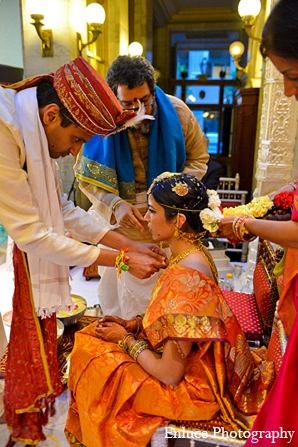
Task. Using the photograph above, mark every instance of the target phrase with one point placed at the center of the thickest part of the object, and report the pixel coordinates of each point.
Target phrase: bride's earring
(177, 231)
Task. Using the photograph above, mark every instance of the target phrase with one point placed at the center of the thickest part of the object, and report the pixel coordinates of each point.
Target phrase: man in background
(115, 173)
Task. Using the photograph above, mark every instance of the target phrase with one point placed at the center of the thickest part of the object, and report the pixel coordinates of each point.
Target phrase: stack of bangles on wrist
(135, 348)
(121, 262)
(241, 233)
(294, 184)
(123, 343)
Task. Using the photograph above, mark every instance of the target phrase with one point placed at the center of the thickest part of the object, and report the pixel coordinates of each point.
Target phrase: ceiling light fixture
(135, 49)
(95, 16)
(37, 11)
(236, 50)
(248, 11)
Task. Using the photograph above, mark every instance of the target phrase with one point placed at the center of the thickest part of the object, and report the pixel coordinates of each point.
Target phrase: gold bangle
(137, 347)
(123, 343)
(115, 204)
(240, 231)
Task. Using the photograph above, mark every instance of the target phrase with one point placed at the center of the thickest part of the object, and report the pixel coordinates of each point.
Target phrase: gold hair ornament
(179, 209)
(161, 177)
(181, 189)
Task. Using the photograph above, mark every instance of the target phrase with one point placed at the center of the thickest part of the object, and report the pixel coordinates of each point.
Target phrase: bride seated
(186, 359)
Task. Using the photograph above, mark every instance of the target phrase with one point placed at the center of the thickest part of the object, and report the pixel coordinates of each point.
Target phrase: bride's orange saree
(115, 402)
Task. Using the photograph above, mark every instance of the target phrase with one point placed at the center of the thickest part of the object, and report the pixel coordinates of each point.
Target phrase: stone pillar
(278, 128)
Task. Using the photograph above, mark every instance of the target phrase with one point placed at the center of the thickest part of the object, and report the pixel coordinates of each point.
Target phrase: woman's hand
(226, 228)
(131, 325)
(109, 331)
(286, 188)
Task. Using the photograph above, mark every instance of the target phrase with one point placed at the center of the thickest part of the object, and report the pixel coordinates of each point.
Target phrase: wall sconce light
(248, 11)
(236, 50)
(45, 35)
(95, 16)
(135, 49)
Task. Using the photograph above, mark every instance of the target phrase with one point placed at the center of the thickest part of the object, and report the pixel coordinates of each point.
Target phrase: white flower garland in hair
(211, 216)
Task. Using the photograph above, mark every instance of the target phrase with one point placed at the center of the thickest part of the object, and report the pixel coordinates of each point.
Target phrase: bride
(186, 359)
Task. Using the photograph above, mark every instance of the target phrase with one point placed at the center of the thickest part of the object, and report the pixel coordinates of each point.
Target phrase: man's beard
(145, 125)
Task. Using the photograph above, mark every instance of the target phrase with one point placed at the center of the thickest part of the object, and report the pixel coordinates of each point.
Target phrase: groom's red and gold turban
(86, 96)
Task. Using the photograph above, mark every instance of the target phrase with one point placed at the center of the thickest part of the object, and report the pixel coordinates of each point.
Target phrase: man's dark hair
(131, 71)
(46, 94)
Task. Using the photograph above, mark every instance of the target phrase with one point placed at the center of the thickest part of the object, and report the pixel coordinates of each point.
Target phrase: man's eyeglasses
(135, 109)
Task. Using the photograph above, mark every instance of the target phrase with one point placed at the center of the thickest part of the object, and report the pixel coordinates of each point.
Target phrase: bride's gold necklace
(183, 255)
(200, 247)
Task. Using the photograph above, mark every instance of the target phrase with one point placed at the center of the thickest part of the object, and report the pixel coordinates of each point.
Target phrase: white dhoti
(127, 296)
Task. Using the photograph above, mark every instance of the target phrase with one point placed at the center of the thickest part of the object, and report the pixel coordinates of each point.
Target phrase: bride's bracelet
(139, 320)
(137, 347)
(123, 343)
(241, 233)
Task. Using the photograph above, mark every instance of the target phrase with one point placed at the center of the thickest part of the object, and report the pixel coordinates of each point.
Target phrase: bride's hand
(111, 332)
(131, 325)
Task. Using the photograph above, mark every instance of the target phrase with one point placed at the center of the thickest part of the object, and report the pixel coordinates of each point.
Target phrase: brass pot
(69, 318)
(60, 330)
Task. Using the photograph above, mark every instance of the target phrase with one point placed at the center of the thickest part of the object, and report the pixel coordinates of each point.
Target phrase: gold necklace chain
(183, 254)
(204, 252)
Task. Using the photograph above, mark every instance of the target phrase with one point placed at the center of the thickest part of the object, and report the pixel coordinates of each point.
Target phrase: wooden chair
(255, 311)
(229, 182)
(229, 192)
